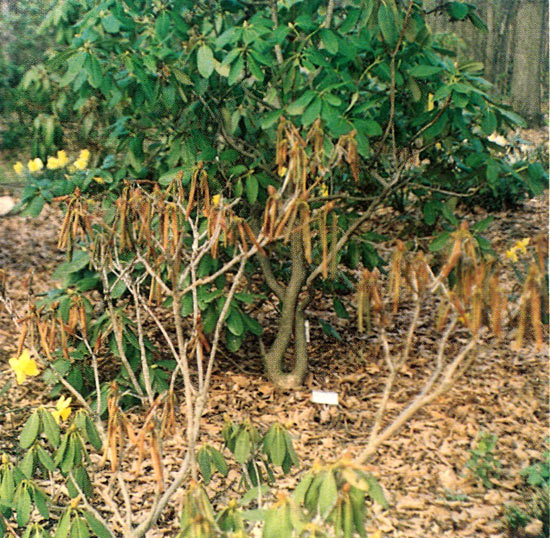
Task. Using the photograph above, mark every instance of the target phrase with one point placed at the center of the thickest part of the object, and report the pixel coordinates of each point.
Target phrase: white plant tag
(324, 397)
(307, 331)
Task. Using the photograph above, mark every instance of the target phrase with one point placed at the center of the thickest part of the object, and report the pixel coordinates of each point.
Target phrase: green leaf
(162, 25)
(233, 342)
(458, 10)
(45, 459)
(297, 107)
(489, 123)
(40, 501)
(312, 112)
(235, 322)
(51, 429)
(423, 71)
(96, 526)
(23, 506)
(376, 493)
(492, 171)
(236, 70)
(219, 461)
(440, 242)
(64, 524)
(111, 24)
(35, 207)
(275, 445)
(328, 493)
(79, 528)
(205, 61)
(271, 118)
(203, 459)
(386, 22)
(95, 73)
(92, 433)
(79, 260)
(251, 187)
(74, 66)
(339, 308)
(30, 431)
(254, 68)
(329, 40)
(329, 330)
(277, 524)
(243, 446)
(368, 127)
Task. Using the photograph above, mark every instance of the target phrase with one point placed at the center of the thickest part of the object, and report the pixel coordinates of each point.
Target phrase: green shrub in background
(25, 49)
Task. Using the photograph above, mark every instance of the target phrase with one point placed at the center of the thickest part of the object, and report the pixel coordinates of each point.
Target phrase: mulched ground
(422, 469)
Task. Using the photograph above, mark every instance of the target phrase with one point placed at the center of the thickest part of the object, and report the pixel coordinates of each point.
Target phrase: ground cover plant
(295, 122)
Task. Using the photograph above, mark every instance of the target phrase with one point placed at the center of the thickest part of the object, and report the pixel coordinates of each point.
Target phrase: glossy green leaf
(424, 71)
(251, 188)
(330, 41)
(111, 24)
(458, 10)
(312, 112)
(203, 459)
(205, 61)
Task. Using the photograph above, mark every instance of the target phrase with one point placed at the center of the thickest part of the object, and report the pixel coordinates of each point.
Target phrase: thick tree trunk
(525, 89)
(292, 320)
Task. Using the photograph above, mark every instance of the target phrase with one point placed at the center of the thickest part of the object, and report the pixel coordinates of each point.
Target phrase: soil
(422, 469)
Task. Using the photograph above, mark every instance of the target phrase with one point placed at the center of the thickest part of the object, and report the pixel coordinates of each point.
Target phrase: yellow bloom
(324, 189)
(53, 163)
(35, 165)
(80, 164)
(18, 167)
(282, 171)
(5, 458)
(216, 199)
(62, 409)
(99, 179)
(522, 245)
(23, 366)
(62, 158)
(84, 154)
(430, 101)
(511, 254)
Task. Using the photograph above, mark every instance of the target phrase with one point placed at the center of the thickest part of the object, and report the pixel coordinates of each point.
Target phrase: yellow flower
(282, 171)
(84, 154)
(99, 179)
(35, 165)
(18, 167)
(522, 245)
(324, 189)
(62, 158)
(430, 101)
(216, 199)
(511, 254)
(80, 164)
(53, 163)
(62, 409)
(23, 366)
(5, 458)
